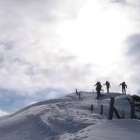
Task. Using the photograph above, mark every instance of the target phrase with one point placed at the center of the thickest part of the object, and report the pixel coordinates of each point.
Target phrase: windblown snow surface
(69, 118)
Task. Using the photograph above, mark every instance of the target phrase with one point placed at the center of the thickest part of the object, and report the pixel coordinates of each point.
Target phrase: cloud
(40, 69)
(3, 113)
(119, 1)
(30, 55)
(131, 43)
(134, 45)
(129, 2)
(132, 60)
(32, 62)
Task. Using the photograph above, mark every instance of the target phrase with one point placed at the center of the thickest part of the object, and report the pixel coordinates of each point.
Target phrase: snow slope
(67, 118)
(109, 130)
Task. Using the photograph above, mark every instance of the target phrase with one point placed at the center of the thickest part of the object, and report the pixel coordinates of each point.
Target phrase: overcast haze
(48, 47)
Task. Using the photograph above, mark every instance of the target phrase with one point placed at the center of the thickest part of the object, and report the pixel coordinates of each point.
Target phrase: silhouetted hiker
(78, 94)
(107, 84)
(124, 86)
(98, 89)
(76, 91)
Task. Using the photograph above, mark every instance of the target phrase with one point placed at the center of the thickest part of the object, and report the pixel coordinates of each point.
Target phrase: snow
(108, 130)
(69, 118)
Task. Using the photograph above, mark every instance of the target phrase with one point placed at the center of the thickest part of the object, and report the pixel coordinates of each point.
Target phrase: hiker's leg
(124, 90)
(107, 90)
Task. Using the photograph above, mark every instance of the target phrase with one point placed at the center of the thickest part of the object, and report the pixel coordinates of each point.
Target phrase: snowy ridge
(67, 118)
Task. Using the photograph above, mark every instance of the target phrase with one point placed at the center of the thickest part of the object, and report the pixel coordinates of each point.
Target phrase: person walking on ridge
(124, 87)
(98, 89)
(107, 84)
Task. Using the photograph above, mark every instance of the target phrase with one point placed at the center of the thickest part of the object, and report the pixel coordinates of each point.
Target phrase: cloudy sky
(49, 47)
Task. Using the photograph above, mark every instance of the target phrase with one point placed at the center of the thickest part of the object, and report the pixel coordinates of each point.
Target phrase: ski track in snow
(67, 119)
